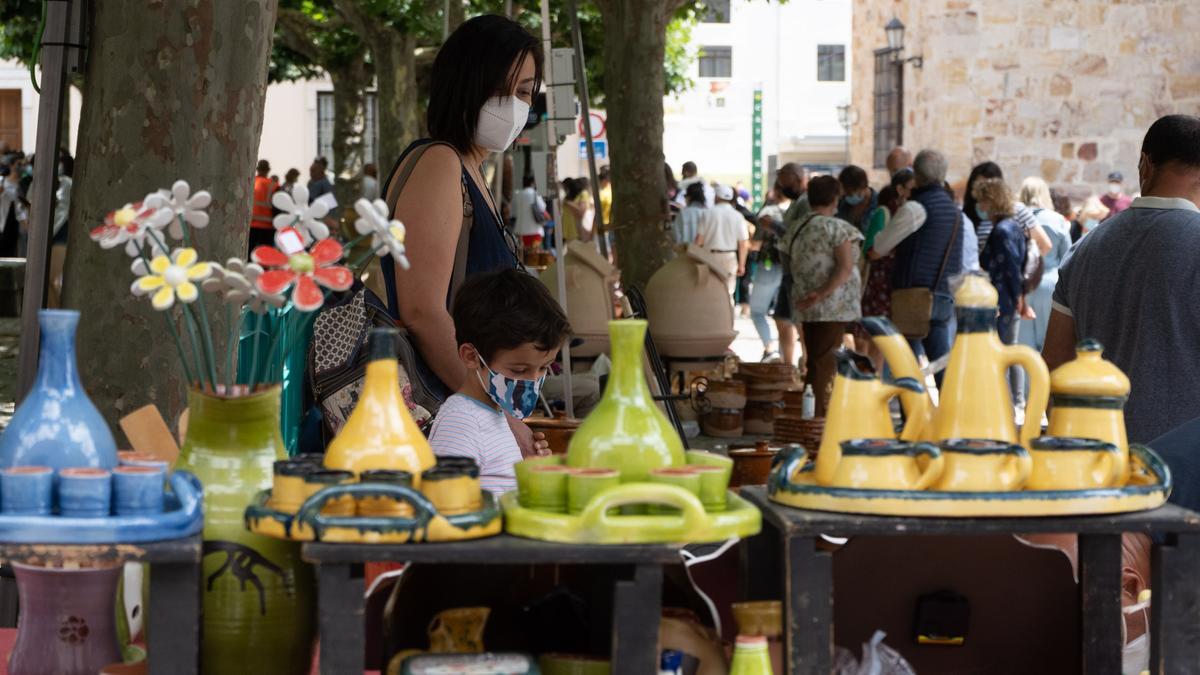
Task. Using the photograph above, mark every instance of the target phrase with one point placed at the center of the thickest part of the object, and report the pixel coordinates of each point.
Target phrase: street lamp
(894, 30)
(847, 116)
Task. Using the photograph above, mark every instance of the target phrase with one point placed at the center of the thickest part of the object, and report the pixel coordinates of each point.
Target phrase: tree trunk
(634, 49)
(175, 91)
(349, 83)
(399, 114)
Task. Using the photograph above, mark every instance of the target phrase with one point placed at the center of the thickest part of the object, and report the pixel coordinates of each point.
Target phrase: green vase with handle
(257, 594)
(627, 431)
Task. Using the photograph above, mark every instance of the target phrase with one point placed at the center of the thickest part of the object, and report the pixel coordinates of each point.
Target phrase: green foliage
(680, 54)
(19, 21)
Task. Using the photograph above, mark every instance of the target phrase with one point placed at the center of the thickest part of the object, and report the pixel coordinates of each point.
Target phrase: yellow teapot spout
(918, 406)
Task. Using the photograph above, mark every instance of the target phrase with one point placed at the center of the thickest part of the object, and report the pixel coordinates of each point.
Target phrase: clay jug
(1089, 397)
(380, 433)
(974, 397)
(590, 279)
(689, 306)
(627, 431)
(858, 408)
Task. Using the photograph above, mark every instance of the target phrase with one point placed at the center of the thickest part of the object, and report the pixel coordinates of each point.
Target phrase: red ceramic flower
(305, 268)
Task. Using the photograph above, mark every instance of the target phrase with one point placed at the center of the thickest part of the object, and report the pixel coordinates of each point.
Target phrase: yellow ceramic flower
(171, 278)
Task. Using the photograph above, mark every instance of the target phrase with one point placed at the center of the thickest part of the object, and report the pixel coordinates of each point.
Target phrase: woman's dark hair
(474, 64)
(985, 170)
(571, 188)
(853, 178)
(889, 197)
(1062, 203)
(695, 194)
(902, 177)
(503, 310)
(823, 191)
(68, 164)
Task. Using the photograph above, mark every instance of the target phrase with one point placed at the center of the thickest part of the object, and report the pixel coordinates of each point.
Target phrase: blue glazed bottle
(57, 425)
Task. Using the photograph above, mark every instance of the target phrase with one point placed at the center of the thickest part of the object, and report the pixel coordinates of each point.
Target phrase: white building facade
(798, 54)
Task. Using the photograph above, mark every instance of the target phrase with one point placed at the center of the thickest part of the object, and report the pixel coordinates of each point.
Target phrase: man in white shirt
(692, 175)
(724, 232)
(527, 206)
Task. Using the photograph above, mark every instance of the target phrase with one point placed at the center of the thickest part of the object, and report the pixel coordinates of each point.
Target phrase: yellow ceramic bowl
(1075, 464)
(974, 465)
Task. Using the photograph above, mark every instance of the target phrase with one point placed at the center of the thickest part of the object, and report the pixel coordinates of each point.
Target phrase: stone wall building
(1060, 89)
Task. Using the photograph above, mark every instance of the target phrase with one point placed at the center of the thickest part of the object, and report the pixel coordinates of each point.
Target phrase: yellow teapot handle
(1039, 388)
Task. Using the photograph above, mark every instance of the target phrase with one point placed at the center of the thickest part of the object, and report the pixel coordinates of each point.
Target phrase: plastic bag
(878, 659)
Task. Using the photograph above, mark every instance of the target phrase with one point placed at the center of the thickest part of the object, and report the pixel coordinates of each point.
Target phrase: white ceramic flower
(170, 278)
(235, 283)
(130, 226)
(184, 205)
(387, 235)
(298, 213)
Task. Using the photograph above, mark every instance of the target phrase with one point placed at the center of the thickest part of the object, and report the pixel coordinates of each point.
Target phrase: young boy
(509, 330)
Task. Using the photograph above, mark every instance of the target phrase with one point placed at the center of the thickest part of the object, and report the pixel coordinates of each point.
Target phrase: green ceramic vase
(258, 597)
(627, 431)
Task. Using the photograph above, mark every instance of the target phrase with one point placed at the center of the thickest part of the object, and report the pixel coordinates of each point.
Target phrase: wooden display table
(789, 547)
(637, 600)
(172, 623)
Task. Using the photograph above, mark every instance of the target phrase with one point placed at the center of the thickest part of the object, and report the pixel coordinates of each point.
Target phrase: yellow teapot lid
(976, 291)
(1089, 374)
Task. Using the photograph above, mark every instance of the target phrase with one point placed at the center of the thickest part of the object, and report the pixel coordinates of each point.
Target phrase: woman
(768, 272)
(583, 214)
(1036, 194)
(1020, 212)
(826, 293)
(687, 221)
(859, 201)
(1003, 258)
(482, 85)
(877, 292)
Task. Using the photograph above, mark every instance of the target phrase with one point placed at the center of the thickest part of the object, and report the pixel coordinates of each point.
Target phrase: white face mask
(1114, 188)
(501, 120)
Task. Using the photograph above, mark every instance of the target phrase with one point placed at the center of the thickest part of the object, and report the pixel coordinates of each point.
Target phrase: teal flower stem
(190, 321)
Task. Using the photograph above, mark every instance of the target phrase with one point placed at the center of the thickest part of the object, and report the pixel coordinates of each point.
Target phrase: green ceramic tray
(1148, 488)
(426, 524)
(596, 524)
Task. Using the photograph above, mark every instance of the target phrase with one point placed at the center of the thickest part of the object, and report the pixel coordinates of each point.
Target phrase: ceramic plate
(1149, 487)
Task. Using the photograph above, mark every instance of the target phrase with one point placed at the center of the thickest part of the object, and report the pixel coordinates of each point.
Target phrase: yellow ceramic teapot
(858, 408)
(1089, 397)
(974, 399)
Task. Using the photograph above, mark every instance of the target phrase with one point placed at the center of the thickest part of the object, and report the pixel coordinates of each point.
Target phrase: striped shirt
(465, 427)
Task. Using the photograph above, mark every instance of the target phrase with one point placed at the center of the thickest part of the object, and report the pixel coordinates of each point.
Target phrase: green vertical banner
(756, 160)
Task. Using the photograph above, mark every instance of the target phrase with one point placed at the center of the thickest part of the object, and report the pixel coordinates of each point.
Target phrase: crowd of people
(16, 189)
(825, 251)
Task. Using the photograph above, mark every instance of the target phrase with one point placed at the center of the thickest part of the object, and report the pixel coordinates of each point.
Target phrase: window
(831, 63)
(716, 62)
(715, 11)
(889, 103)
(325, 116)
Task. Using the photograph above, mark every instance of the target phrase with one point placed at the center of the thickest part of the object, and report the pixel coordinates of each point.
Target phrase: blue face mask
(1090, 224)
(983, 215)
(854, 200)
(516, 397)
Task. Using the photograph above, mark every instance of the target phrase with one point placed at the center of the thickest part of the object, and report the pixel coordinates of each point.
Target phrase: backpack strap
(400, 174)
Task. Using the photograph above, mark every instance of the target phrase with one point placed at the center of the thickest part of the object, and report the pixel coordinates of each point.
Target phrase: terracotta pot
(727, 394)
(67, 624)
(558, 430)
(760, 418)
(751, 466)
(689, 306)
(590, 281)
(722, 423)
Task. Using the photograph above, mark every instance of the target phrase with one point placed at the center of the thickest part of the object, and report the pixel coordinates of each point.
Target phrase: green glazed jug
(627, 431)
(257, 593)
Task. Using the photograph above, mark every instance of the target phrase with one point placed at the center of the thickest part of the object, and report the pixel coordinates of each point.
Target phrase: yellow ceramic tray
(1149, 487)
(596, 524)
(426, 524)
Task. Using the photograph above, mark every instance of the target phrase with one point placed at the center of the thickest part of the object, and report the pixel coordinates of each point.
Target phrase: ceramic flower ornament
(291, 264)
(130, 226)
(387, 235)
(167, 279)
(299, 214)
(184, 206)
(235, 282)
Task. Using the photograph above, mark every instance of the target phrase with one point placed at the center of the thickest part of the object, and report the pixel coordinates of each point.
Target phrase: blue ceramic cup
(26, 490)
(138, 490)
(84, 493)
